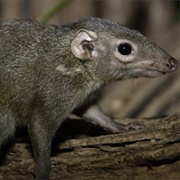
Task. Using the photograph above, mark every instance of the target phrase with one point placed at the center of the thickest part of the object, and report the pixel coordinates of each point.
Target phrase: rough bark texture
(83, 151)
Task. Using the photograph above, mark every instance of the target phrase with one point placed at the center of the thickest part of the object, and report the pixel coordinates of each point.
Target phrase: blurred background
(159, 20)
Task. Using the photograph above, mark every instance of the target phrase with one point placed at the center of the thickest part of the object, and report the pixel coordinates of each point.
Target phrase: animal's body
(49, 71)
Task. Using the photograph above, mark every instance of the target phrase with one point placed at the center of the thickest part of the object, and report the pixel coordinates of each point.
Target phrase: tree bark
(85, 152)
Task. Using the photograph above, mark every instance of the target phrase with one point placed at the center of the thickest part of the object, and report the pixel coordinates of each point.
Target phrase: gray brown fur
(42, 81)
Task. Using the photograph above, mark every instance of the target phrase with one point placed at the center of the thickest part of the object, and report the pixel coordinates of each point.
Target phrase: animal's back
(26, 55)
(17, 58)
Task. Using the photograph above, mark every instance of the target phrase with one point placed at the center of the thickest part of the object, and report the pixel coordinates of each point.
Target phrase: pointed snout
(172, 64)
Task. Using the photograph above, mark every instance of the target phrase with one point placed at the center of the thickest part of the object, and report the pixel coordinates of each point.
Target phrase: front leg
(41, 145)
(41, 131)
(96, 115)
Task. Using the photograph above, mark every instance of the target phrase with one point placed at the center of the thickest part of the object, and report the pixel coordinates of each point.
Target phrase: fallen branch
(88, 153)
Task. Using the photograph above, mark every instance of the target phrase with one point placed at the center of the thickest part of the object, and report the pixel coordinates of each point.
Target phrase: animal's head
(116, 52)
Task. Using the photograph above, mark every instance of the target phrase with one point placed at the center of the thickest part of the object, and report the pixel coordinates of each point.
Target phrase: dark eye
(124, 48)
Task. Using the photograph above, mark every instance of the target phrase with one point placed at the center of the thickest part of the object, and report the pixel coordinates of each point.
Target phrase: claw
(134, 126)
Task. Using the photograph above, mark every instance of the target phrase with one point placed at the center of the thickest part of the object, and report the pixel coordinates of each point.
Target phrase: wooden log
(81, 151)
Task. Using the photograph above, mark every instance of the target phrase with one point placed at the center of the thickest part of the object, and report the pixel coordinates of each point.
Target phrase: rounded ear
(83, 45)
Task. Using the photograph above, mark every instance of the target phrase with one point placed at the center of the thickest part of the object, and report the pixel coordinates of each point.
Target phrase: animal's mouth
(157, 70)
(149, 72)
(155, 73)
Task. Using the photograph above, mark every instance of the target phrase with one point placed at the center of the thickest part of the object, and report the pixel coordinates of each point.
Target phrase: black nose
(172, 64)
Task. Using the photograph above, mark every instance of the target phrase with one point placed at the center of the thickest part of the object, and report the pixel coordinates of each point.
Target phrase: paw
(134, 126)
(121, 128)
